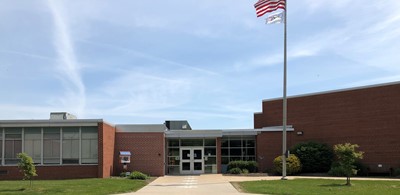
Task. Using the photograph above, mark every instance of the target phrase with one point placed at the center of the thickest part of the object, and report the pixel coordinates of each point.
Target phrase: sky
(206, 61)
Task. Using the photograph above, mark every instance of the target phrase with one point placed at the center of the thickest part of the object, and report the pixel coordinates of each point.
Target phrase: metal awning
(124, 153)
(193, 133)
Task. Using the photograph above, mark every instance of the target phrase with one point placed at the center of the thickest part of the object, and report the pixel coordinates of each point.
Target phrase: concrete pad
(193, 184)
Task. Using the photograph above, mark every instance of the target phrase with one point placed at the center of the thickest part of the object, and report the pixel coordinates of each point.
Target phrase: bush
(336, 170)
(138, 175)
(123, 174)
(293, 165)
(251, 166)
(235, 170)
(245, 171)
(314, 157)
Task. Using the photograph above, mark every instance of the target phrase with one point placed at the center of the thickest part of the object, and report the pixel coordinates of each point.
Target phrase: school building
(65, 147)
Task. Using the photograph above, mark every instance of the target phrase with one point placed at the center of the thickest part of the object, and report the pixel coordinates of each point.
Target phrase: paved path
(208, 184)
(198, 184)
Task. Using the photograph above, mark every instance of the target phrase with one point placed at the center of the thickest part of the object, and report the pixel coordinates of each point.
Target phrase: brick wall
(219, 167)
(106, 150)
(53, 172)
(369, 117)
(147, 151)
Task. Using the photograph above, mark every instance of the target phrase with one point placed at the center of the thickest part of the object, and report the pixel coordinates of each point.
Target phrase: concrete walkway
(209, 184)
(196, 184)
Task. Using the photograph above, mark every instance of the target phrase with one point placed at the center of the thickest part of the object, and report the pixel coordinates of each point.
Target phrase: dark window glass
(173, 152)
(209, 151)
(210, 160)
(251, 151)
(173, 142)
(224, 152)
(236, 152)
(192, 142)
(235, 143)
(210, 142)
(224, 143)
(224, 160)
(197, 154)
(185, 154)
(173, 161)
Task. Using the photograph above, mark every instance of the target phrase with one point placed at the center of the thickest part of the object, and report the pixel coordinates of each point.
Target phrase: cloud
(68, 66)
(137, 92)
(150, 57)
(30, 55)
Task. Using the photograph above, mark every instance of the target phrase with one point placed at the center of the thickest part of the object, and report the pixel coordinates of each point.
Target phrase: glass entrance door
(192, 160)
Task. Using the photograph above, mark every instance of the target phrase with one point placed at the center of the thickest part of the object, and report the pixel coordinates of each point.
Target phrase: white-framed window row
(50, 145)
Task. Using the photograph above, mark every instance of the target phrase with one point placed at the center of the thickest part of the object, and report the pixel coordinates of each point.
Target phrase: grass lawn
(320, 186)
(72, 186)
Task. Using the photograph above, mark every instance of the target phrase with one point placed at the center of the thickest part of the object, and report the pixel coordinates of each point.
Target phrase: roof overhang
(50, 123)
(193, 133)
(276, 128)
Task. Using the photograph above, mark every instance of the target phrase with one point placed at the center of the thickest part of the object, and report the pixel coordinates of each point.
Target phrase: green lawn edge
(73, 186)
(319, 186)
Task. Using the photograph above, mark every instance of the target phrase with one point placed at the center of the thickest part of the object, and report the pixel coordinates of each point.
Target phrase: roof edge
(336, 91)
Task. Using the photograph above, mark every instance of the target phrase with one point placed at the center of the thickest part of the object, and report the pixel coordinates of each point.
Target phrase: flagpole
(284, 117)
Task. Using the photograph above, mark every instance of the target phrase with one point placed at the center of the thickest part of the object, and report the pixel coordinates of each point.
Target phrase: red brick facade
(369, 117)
(106, 150)
(147, 151)
(219, 168)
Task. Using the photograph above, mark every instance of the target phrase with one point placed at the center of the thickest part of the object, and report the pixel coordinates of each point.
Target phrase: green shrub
(245, 171)
(336, 170)
(235, 170)
(293, 165)
(314, 157)
(138, 175)
(251, 166)
(122, 174)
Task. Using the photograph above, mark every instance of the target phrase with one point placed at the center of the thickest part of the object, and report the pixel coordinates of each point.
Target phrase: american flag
(265, 6)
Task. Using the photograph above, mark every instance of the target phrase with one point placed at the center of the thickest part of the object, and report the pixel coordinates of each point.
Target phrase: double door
(192, 161)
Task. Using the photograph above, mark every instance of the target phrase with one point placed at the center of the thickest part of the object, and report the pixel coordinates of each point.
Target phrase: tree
(26, 167)
(315, 157)
(346, 156)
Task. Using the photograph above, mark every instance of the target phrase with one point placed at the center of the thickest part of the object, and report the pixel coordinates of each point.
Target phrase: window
(51, 145)
(70, 145)
(32, 143)
(13, 145)
(1, 146)
(237, 148)
(89, 145)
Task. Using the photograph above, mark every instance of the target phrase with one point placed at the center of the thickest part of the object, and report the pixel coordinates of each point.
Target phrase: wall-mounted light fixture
(299, 132)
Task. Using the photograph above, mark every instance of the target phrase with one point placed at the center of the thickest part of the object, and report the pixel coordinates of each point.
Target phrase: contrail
(69, 65)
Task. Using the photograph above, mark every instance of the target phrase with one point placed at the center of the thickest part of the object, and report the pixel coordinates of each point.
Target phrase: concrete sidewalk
(210, 184)
(196, 184)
